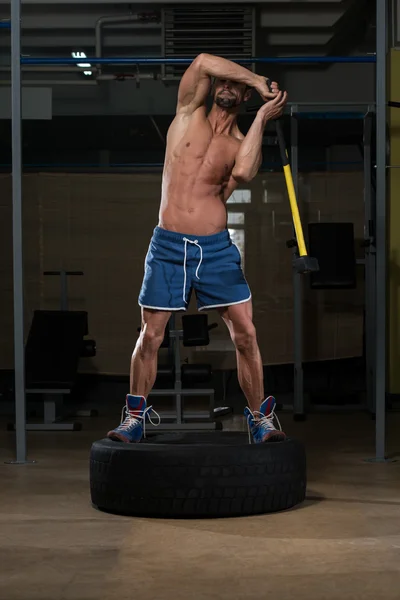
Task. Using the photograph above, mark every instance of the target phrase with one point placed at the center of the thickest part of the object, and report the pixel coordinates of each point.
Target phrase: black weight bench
(54, 347)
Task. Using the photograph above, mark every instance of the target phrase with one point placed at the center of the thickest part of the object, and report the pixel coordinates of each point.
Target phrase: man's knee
(151, 339)
(245, 338)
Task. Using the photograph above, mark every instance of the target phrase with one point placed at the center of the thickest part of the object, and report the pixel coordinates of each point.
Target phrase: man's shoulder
(238, 136)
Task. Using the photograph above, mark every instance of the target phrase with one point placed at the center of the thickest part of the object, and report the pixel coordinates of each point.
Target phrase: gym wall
(102, 223)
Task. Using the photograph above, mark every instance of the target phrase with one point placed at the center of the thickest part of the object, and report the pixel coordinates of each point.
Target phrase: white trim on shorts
(160, 307)
(224, 305)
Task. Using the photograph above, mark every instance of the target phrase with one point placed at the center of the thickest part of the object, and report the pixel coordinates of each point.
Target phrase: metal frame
(52, 400)
(18, 267)
(369, 262)
(393, 19)
(52, 403)
(179, 416)
(299, 402)
(380, 323)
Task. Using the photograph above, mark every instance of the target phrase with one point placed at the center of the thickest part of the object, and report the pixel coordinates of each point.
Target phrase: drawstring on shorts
(195, 243)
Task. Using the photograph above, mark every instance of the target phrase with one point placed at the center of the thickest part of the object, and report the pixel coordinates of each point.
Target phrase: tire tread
(196, 482)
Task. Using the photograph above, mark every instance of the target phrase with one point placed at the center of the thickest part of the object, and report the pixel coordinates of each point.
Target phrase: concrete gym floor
(342, 543)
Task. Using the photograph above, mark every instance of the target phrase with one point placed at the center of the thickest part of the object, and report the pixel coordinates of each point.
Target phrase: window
(236, 231)
(236, 219)
(273, 192)
(240, 197)
(237, 236)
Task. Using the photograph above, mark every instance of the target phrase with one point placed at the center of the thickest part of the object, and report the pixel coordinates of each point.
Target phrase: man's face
(229, 94)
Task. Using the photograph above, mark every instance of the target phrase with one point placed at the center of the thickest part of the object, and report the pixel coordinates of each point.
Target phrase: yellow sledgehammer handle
(294, 208)
(302, 263)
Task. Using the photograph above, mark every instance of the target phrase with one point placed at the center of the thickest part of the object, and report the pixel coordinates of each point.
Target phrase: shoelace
(134, 420)
(260, 419)
(195, 243)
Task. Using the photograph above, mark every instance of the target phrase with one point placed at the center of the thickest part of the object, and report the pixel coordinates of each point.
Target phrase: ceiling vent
(225, 30)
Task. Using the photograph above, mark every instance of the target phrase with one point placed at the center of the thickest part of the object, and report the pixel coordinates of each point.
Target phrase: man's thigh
(222, 282)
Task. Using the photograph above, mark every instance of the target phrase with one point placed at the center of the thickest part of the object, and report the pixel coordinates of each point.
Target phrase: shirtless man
(206, 158)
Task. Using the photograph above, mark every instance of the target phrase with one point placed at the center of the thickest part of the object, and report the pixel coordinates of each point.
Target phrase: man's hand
(273, 109)
(265, 92)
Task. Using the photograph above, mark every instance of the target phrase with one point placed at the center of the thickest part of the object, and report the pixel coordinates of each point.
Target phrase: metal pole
(141, 60)
(369, 240)
(298, 399)
(177, 362)
(380, 323)
(19, 359)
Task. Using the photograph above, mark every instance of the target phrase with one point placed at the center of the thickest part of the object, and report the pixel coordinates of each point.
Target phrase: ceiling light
(83, 65)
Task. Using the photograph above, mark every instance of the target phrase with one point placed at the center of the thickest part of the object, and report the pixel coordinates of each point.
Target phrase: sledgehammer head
(305, 264)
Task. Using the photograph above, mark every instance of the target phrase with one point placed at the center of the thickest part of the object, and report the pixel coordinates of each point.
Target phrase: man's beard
(226, 102)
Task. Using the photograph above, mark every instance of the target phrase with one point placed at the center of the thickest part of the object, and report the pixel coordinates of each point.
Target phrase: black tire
(193, 475)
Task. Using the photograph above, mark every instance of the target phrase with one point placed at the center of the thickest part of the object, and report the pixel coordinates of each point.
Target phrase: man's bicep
(194, 86)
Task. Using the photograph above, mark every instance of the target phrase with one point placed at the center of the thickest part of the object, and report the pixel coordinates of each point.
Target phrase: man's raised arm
(196, 81)
(248, 159)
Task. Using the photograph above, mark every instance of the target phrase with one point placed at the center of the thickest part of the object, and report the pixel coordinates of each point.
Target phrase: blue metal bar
(160, 165)
(5, 24)
(140, 60)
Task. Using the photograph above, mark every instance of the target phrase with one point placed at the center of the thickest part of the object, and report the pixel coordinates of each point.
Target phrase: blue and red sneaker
(133, 427)
(261, 423)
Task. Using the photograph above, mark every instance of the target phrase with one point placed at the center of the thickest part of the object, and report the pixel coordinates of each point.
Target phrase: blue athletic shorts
(176, 264)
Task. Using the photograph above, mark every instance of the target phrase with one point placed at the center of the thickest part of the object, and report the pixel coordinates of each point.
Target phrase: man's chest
(215, 153)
